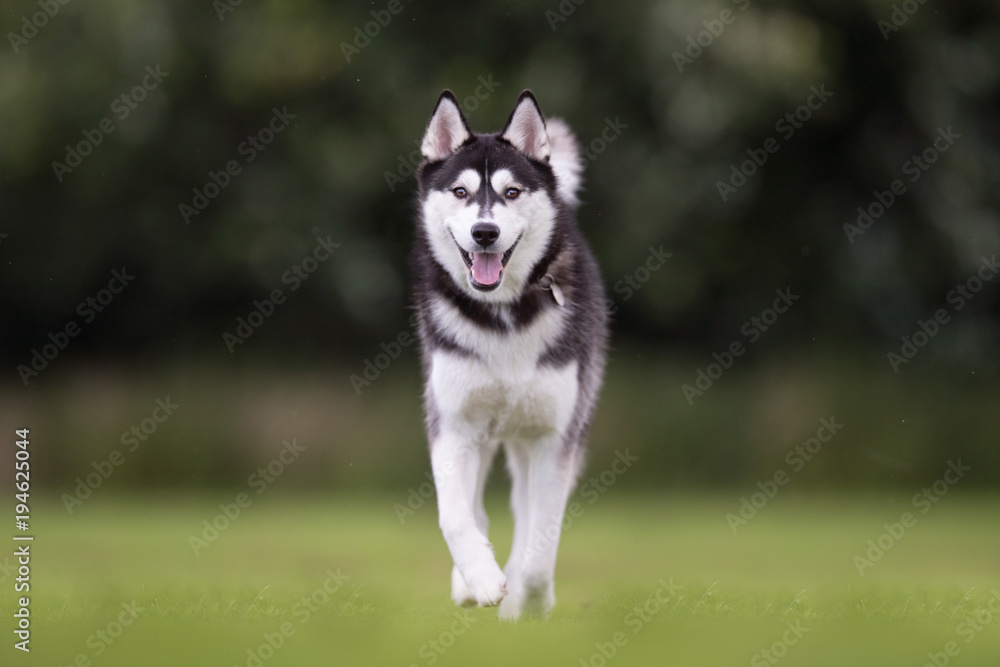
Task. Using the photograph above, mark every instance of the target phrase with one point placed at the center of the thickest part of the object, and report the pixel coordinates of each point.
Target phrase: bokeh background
(203, 151)
(664, 120)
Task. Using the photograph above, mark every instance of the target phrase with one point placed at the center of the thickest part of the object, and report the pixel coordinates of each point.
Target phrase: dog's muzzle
(486, 268)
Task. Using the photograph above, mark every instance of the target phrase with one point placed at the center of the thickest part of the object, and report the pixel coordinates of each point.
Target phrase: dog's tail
(565, 160)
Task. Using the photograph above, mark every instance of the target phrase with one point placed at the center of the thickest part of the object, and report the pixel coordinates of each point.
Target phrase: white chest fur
(502, 390)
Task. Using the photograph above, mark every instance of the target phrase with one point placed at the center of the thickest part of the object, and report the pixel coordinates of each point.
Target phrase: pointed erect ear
(447, 129)
(526, 128)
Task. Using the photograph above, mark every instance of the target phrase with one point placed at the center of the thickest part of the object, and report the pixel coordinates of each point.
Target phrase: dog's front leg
(456, 466)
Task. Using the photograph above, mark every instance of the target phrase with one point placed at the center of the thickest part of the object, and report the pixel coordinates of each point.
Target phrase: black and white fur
(516, 361)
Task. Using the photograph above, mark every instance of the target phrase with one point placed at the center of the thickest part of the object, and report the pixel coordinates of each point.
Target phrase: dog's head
(490, 202)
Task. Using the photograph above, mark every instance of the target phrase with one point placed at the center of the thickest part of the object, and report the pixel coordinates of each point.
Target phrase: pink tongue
(486, 267)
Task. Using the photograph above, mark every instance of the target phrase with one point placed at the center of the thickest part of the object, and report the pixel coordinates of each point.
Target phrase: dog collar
(549, 283)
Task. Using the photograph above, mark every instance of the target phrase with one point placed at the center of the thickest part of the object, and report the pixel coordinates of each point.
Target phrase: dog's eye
(512, 193)
(460, 193)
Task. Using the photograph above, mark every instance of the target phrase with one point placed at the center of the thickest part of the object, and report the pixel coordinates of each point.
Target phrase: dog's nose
(485, 233)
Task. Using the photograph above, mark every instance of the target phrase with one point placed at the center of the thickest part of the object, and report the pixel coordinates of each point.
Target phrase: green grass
(791, 564)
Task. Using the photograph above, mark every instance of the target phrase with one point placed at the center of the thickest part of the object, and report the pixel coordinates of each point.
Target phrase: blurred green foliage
(897, 432)
(655, 184)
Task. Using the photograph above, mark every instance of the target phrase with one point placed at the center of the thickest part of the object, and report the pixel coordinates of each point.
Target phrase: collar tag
(549, 283)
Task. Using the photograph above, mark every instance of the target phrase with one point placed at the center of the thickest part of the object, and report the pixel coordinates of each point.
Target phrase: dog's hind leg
(551, 474)
(459, 476)
(518, 464)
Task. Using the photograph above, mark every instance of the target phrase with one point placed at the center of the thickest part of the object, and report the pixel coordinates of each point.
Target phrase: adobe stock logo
(786, 126)
(295, 276)
(566, 9)
(390, 352)
(924, 501)
(632, 282)
(796, 458)
(372, 29)
(211, 529)
(753, 329)
(122, 106)
(667, 595)
(30, 28)
(249, 149)
(612, 130)
(927, 329)
(59, 341)
(779, 648)
(132, 438)
(696, 44)
(915, 167)
(967, 630)
(900, 15)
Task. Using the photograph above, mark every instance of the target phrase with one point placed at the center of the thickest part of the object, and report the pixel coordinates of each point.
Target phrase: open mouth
(486, 268)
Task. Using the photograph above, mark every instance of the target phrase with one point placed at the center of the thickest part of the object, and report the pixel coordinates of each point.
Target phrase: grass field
(722, 598)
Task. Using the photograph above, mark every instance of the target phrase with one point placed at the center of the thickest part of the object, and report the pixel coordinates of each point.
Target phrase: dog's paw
(510, 608)
(459, 591)
(524, 600)
(486, 585)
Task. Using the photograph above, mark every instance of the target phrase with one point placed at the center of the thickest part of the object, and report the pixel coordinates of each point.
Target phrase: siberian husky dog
(513, 329)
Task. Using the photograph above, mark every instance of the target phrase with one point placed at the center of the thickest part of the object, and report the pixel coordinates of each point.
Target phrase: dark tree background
(740, 137)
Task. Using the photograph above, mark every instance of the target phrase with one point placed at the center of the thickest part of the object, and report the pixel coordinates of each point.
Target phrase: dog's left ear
(525, 129)
(446, 130)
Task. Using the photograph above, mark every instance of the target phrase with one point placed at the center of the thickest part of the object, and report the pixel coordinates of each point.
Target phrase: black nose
(485, 233)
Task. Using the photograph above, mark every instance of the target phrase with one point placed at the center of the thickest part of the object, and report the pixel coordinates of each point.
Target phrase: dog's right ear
(447, 129)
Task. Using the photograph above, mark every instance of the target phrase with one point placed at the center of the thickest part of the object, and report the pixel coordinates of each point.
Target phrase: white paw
(486, 584)
(459, 591)
(510, 608)
(522, 600)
